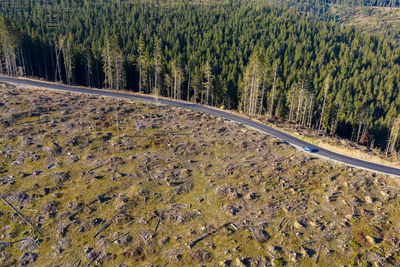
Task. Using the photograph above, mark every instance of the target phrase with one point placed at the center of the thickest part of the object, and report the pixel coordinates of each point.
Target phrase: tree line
(379, 3)
(258, 58)
(322, 5)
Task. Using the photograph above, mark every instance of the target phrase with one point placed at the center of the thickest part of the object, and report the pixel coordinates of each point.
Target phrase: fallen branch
(309, 242)
(105, 226)
(158, 223)
(118, 238)
(23, 218)
(317, 259)
(98, 254)
(143, 238)
(97, 167)
(393, 187)
(207, 235)
(302, 203)
(28, 190)
(34, 188)
(272, 255)
(9, 244)
(88, 204)
(281, 223)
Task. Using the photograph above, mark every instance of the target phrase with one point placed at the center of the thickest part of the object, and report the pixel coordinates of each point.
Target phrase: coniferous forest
(251, 56)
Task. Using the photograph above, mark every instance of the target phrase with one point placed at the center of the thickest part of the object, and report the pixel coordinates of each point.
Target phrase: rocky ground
(95, 181)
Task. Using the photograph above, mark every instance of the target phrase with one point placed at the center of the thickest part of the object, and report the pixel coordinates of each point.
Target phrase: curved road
(296, 142)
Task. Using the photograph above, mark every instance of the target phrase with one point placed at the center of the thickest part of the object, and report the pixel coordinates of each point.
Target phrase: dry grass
(151, 180)
(338, 145)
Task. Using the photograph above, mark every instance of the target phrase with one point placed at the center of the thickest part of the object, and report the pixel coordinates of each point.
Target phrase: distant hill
(383, 21)
(377, 17)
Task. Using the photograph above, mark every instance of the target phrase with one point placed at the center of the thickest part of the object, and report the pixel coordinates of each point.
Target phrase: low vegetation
(378, 20)
(94, 181)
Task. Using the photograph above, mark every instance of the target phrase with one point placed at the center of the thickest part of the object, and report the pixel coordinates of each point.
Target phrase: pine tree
(8, 42)
(189, 76)
(157, 66)
(108, 64)
(292, 97)
(251, 86)
(118, 69)
(393, 137)
(177, 77)
(168, 83)
(58, 50)
(68, 57)
(113, 63)
(271, 107)
(208, 81)
(196, 84)
(326, 88)
(261, 105)
(140, 62)
(299, 105)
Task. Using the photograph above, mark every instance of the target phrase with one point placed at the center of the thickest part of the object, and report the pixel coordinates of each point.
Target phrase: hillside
(380, 18)
(384, 21)
(110, 182)
(249, 56)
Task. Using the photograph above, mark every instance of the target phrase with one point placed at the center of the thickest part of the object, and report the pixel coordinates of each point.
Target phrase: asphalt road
(296, 142)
